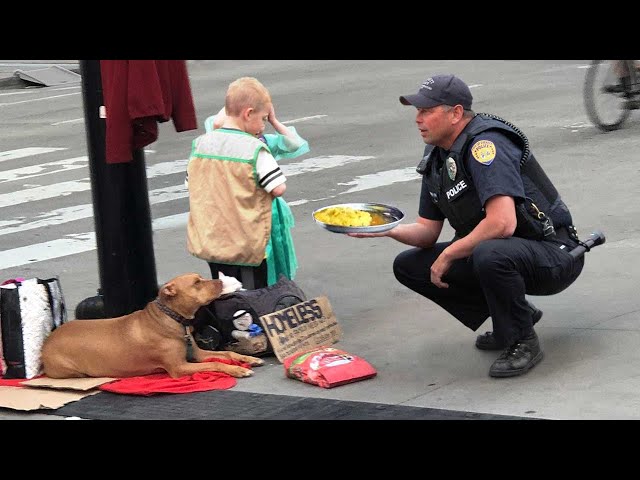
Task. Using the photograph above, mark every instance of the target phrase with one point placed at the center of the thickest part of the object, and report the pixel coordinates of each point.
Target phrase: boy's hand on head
(272, 115)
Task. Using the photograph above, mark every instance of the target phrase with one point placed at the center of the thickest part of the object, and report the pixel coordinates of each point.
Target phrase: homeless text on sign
(301, 326)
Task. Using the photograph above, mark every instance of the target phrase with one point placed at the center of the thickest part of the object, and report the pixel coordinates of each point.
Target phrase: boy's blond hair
(246, 92)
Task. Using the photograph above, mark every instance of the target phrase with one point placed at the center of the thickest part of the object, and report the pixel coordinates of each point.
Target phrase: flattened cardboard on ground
(49, 393)
(302, 326)
(81, 384)
(29, 398)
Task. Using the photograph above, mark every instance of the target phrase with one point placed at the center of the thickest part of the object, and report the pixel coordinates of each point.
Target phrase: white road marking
(34, 90)
(315, 164)
(80, 212)
(84, 242)
(381, 179)
(368, 182)
(62, 189)
(38, 99)
(73, 244)
(15, 93)
(26, 152)
(25, 173)
(176, 192)
(65, 88)
(160, 195)
(288, 122)
(75, 120)
(303, 119)
(43, 169)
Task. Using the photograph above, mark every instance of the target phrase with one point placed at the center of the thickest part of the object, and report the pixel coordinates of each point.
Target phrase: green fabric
(281, 254)
(279, 147)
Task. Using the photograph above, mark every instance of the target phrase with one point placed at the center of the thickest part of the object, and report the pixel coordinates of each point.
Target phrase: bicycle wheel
(605, 95)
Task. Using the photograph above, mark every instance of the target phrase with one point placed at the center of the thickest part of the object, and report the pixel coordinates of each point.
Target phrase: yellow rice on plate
(344, 217)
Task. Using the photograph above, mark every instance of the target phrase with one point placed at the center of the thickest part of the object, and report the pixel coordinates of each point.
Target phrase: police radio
(596, 238)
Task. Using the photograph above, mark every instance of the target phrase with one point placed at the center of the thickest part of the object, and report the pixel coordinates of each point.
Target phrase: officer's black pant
(493, 281)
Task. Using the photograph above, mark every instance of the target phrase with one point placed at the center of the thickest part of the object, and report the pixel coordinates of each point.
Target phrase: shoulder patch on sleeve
(484, 151)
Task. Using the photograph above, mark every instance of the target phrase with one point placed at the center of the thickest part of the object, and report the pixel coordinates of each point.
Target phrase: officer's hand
(439, 268)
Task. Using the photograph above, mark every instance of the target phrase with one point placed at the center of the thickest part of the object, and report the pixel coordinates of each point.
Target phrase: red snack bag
(327, 367)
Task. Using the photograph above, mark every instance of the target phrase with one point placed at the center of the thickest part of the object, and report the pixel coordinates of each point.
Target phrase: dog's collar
(185, 322)
(175, 315)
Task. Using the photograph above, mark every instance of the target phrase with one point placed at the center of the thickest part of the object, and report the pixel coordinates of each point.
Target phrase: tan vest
(229, 214)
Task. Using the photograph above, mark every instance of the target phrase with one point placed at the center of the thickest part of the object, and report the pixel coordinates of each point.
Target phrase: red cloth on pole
(137, 95)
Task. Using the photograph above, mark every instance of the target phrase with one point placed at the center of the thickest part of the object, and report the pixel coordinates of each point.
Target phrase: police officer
(513, 232)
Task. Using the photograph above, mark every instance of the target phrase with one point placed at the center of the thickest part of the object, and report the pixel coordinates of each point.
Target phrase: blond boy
(233, 179)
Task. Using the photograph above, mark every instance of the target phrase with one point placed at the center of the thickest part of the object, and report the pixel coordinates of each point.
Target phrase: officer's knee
(486, 256)
(400, 263)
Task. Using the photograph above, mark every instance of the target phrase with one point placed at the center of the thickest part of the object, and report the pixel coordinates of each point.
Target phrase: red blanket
(12, 382)
(163, 383)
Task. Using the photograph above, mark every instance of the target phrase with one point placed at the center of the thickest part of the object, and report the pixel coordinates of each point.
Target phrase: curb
(15, 82)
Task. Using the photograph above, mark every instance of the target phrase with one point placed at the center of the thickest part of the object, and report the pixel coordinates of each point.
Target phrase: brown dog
(152, 340)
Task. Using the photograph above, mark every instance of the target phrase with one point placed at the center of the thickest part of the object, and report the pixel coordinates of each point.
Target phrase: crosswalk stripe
(176, 192)
(166, 168)
(79, 212)
(73, 244)
(25, 173)
(38, 252)
(367, 182)
(38, 99)
(166, 194)
(381, 179)
(84, 242)
(26, 152)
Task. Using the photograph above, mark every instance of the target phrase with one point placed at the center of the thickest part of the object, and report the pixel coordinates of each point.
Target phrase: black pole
(122, 216)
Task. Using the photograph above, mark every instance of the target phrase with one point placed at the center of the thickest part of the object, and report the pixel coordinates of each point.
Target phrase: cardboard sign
(300, 327)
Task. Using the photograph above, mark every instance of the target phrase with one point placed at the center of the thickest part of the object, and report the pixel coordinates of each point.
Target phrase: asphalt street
(364, 148)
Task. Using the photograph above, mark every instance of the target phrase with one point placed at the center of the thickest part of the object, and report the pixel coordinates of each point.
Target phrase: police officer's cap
(440, 90)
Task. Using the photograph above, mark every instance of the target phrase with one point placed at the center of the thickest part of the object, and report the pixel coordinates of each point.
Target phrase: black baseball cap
(440, 90)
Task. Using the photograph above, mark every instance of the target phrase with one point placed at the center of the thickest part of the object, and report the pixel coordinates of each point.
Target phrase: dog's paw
(240, 372)
(253, 361)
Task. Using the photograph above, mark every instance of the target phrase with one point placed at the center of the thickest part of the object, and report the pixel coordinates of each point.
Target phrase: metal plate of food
(358, 217)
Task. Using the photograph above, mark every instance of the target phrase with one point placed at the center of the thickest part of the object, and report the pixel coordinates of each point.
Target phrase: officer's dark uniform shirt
(499, 176)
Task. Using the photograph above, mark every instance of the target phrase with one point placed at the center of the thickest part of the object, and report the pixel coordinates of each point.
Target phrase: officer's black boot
(487, 341)
(519, 358)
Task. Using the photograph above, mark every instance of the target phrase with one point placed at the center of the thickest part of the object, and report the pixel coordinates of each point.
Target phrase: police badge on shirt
(457, 189)
(452, 169)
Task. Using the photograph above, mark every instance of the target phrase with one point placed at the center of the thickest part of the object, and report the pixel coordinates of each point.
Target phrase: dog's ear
(168, 290)
(219, 285)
